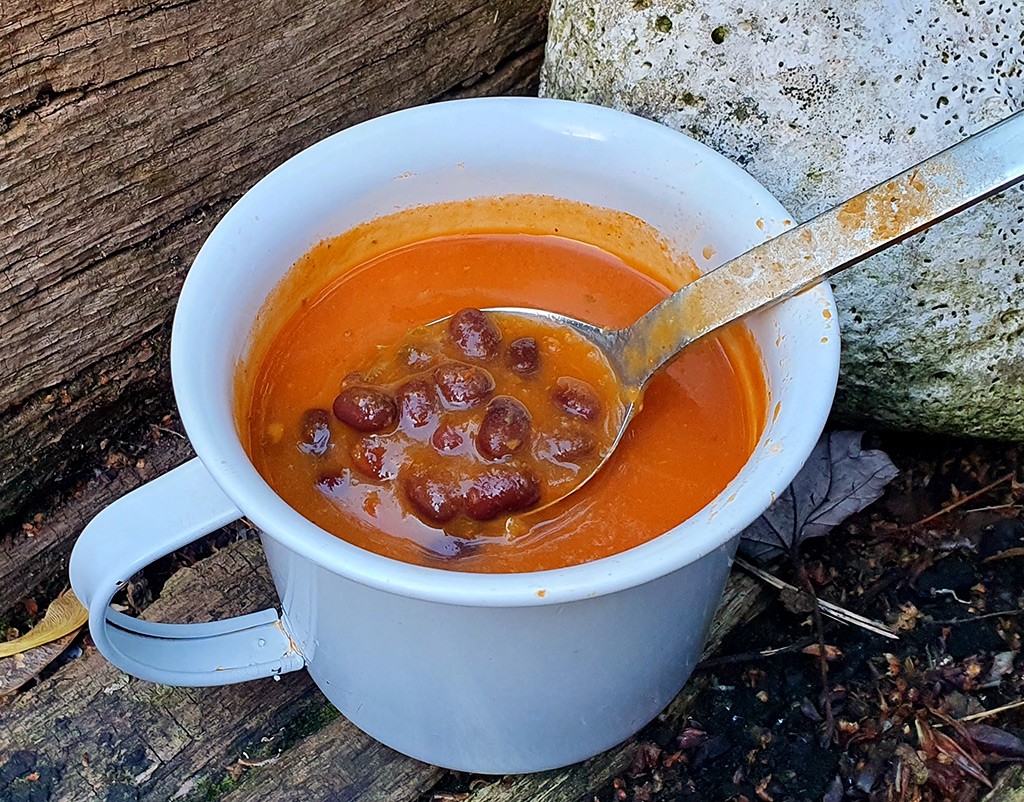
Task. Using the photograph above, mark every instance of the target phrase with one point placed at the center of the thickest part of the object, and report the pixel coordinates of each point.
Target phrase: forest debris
(1002, 664)
(831, 652)
(833, 611)
(838, 480)
(1014, 552)
(996, 741)
(908, 616)
(22, 667)
(64, 615)
(645, 759)
(964, 499)
(995, 711)
(937, 745)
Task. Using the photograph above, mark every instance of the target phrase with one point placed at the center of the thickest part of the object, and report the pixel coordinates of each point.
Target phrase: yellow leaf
(65, 614)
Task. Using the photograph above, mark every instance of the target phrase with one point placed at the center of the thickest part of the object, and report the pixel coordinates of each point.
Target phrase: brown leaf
(838, 479)
(645, 758)
(936, 744)
(831, 652)
(908, 617)
(761, 789)
(996, 741)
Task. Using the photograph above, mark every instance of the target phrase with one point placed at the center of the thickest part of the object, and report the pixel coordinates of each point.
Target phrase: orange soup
(700, 420)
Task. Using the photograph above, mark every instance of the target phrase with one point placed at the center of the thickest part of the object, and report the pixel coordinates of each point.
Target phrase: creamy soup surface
(320, 337)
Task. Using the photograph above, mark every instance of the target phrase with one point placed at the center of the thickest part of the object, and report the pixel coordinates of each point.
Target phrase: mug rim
(680, 546)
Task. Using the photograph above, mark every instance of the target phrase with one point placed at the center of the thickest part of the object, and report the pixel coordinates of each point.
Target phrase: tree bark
(127, 129)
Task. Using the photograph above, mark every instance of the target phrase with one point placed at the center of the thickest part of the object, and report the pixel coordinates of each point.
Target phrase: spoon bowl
(943, 185)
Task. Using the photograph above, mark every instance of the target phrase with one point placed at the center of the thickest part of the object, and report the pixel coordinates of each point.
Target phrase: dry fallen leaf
(838, 479)
(1015, 552)
(831, 652)
(64, 615)
(907, 619)
(996, 741)
(938, 745)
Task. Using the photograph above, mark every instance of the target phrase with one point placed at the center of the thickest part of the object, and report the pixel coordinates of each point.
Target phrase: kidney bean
(369, 456)
(446, 438)
(577, 398)
(524, 356)
(315, 432)
(365, 408)
(475, 334)
(500, 490)
(417, 402)
(434, 495)
(463, 386)
(504, 429)
(567, 445)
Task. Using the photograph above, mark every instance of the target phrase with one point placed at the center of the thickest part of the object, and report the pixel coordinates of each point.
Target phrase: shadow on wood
(127, 132)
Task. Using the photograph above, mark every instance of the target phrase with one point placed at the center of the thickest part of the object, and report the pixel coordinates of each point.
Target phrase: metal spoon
(959, 177)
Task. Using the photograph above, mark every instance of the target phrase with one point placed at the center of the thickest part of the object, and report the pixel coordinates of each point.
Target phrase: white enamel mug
(475, 672)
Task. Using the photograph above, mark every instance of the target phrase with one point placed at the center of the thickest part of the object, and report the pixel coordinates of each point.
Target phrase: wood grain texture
(342, 764)
(37, 556)
(128, 128)
(91, 732)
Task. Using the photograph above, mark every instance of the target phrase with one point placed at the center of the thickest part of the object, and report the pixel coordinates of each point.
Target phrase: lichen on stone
(818, 101)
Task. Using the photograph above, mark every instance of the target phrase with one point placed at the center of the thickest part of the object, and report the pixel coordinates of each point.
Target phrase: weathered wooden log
(127, 129)
(90, 732)
(34, 557)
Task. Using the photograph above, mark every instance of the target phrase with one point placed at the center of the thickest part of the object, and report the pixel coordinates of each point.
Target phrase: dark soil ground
(888, 719)
(951, 585)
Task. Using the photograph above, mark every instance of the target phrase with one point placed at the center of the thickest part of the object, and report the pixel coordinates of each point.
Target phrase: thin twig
(993, 712)
(829, 725)
(964, 500)
(971, 619)
(165, 430)
(828, 608)
(743, 657)
(994, 508)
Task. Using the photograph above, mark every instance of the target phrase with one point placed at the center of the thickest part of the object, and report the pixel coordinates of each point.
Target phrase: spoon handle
(970, 171)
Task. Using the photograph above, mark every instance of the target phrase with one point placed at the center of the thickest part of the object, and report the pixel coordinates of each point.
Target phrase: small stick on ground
(827, 608)
(828, 726)
(972, 618)
(964, 500)
(995, 711)
(744, 657)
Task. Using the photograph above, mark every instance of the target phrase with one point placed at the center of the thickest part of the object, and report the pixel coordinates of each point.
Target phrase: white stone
(818, 101)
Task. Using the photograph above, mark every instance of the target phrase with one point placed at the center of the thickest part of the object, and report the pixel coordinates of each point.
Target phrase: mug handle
(148, 523)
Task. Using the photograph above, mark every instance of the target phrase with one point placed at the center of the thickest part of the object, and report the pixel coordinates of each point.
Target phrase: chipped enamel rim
(497, 146)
